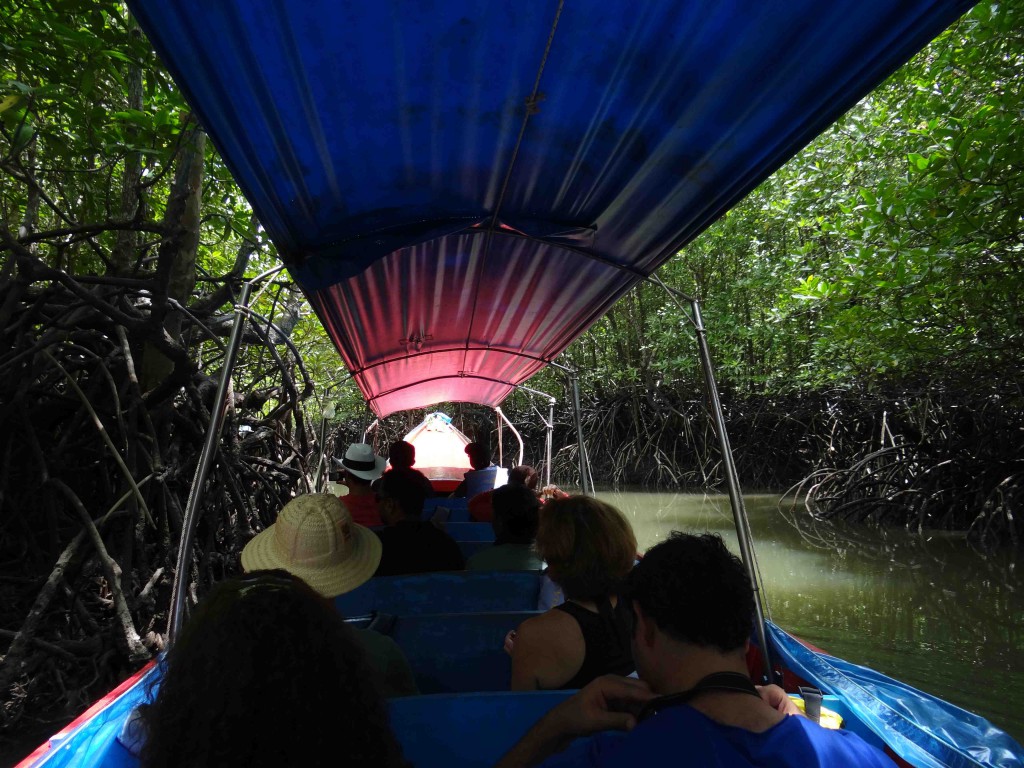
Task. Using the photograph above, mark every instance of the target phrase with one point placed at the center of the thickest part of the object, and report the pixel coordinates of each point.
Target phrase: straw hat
(315, 539)
(361, 461)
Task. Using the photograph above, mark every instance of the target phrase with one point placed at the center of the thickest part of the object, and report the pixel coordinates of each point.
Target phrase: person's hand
(778, 699)
(609, 703)
(553, 492)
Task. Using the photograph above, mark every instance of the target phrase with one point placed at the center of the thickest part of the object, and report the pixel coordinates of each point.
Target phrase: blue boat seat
(456, 652)
(470, 531)
(457, 509)
(469, 729)
(444, 592)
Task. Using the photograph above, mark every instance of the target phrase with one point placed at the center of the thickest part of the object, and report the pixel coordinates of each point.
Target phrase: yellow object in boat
(829, 718)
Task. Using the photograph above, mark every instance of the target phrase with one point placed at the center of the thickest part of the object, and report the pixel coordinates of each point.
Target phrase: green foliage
(889, 249)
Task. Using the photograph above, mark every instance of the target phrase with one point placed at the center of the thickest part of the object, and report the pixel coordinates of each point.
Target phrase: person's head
(515, 514)
(266, 673)
(400, 497)
(588, 545)
(315, 539)
(524, 475)
(402, 455)
(479, 455)
(361, 466)
(695, 592)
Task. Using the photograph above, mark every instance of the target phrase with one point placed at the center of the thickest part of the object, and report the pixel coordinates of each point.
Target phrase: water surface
(932, 612)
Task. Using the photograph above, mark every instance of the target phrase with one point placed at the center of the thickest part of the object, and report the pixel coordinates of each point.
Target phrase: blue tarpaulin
(462, 188)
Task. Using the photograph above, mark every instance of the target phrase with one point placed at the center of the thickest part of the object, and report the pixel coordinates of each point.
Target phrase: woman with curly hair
(590, 548)
(266, 673)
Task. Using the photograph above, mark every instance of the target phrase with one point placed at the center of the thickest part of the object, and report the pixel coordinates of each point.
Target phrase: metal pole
(739, 510)
(549, 426)
(503, 418)
(550, 438)
(585, 482)
(206, 459)
(732, 479)
(501, 439)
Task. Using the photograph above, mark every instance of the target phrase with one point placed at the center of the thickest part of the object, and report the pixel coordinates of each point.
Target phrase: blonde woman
(590, 548)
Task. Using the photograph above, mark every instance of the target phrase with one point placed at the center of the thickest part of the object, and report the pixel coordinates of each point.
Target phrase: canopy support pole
(501, 439)
(549, 425)
(549, 441)
(206, 459)
(739, 511)
(502, 417)
(586, 481)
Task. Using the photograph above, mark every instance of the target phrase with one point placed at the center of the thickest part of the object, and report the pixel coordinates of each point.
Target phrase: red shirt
(480, 509)
(363, 509)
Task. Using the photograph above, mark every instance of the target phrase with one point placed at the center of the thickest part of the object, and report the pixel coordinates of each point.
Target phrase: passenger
(359, 469)
(410, 544)
(481, 505)
(693, 606)
(589, 548)
(402, 456)
(266, 673)
(481, 477)
(515, 528)
(315, 539)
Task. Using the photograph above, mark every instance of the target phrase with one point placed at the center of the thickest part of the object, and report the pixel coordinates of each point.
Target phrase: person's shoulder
(553, 623)
(374, 642)
(840, 748)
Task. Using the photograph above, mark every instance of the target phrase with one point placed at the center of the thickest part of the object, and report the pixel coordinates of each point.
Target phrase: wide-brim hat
(361, 461)
(315, 539)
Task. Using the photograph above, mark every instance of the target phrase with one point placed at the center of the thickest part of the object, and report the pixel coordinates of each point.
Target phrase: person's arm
(608, 703)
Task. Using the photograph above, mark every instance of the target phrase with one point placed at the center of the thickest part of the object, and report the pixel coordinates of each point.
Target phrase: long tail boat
(462, 188)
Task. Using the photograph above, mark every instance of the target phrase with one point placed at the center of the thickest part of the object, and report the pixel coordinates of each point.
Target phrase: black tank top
(606, 636)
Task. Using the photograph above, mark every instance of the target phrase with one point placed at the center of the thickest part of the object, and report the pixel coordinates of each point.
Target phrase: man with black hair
(409, 543)
(694, 703)
(482, 475)
(402, 456)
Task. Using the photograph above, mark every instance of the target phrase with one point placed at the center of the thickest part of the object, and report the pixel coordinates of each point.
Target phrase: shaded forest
(863, 307)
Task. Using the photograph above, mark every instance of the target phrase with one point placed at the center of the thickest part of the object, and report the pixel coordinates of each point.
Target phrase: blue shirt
(681, 734)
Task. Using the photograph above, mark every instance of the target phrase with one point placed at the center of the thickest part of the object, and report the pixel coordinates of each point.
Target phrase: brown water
(932, 612)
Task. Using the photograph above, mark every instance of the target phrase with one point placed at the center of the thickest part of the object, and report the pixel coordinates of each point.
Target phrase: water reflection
(934, 613)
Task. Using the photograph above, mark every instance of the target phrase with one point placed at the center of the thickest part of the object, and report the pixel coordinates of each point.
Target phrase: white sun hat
(315, 539)
(361, 461)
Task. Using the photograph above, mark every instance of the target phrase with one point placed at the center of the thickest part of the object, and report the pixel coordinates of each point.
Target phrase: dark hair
(588, 545)
(402, 454)
(266, 673)
(696, 591)
(351, 477)
(525, 475)
(405, 490)
(515, 514)
(479, 455)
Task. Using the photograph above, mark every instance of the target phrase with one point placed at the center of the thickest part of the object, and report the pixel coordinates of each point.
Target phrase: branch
(93, 229)
(13, 662)
(136, 650)
(106, 437)
(41, 271)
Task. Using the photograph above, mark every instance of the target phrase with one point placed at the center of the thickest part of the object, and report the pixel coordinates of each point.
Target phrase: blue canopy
(462, 188)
